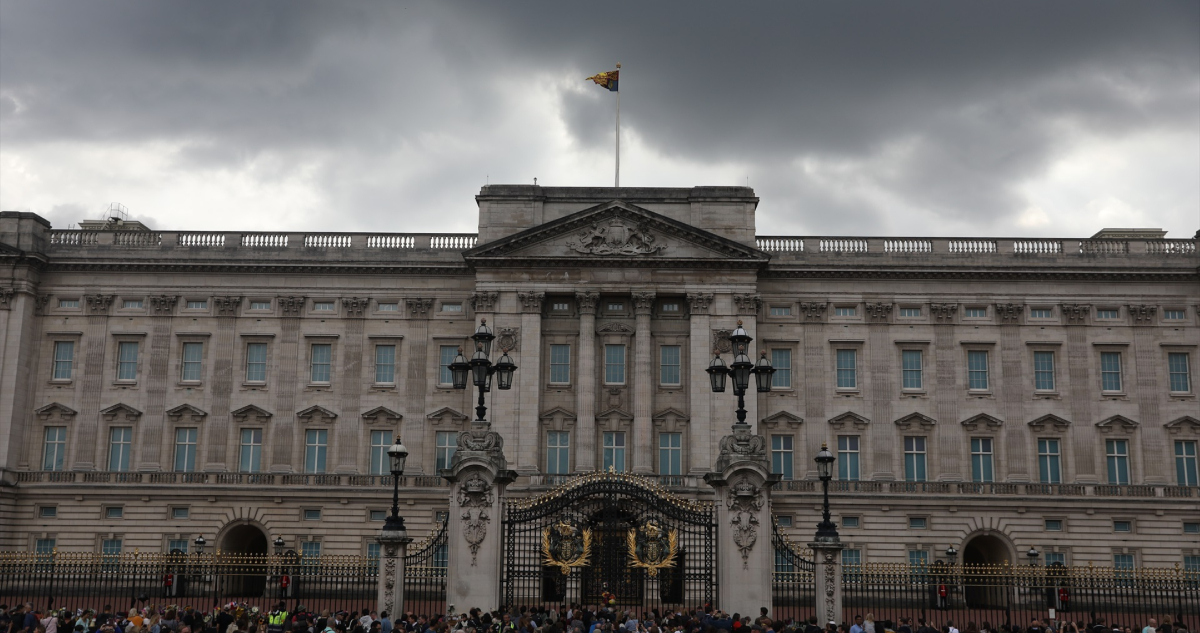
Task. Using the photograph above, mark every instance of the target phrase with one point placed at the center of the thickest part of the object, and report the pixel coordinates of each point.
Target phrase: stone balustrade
(973, 246)
(68, 239)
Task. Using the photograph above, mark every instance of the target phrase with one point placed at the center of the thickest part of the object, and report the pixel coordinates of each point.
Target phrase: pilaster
(420, 381)
(817, 381)
(643, 387)
(390, 591)
(348, 425)
(880, 358)
(1011, 393)
(528, 382)
(945, 444)
(1081, 435)
(828, 577)
(88, 447)
(699, 434)
(1150, 384)
(283, 423)
(585, 392)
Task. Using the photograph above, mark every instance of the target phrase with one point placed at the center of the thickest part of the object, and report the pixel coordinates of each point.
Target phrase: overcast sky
(847, 118)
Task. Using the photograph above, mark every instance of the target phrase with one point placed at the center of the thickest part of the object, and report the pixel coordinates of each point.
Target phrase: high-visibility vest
(275, 620)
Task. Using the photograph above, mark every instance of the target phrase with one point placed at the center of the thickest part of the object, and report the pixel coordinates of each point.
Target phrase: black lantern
(393, 527)
(1033, 556)
(762, 373)
(740, 369)
(200, 543)
(951, 554)
(483, 338)
(278, 545)
(504, 371)
(717, 372)
(398, 454)
(826, 529)
(739, 336)
(480, 366)
(459, 369)
(825, 461)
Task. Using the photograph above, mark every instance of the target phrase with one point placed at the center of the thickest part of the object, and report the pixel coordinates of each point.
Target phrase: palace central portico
(986, 394)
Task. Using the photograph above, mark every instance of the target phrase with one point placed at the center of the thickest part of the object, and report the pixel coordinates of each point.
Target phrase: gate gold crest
(564, 546)
(652, 549)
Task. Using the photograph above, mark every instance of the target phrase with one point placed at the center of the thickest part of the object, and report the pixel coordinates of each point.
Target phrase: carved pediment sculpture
(1055, 422)
(618, 236)
(974, 422)
(917, 420)
(614, 326)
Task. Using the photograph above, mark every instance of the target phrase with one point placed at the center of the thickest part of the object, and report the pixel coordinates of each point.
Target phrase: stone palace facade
(990, 394)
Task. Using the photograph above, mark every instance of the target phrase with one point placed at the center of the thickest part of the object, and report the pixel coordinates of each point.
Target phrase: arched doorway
(983, 556)
(244, 547)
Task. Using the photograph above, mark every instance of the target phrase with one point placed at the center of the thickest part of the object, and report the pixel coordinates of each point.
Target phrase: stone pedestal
(742, 480)
(828, 559)
(390, 593)
(479, 474)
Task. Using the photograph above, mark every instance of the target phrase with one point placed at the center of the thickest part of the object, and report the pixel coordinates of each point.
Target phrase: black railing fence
(793, 590)
(425, 574)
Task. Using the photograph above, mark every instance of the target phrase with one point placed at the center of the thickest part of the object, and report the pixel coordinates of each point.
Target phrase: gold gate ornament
(658, 550)
(573, 548)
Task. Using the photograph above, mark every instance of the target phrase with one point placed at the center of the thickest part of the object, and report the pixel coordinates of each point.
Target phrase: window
(321, 359)
(670, 308)
(1043, 371)
(1054, 525)
(54, 449)
(64, 359)
(911, 369)
(445, 443)
(1177, 368)
(48, 512)
(1122, 526)
(68, 303)
(1049, 465)
(783, 563)
(845, 312)
(917, 523)
(1185, 462)
(976, 313)
(1107, 314)
(380, 441)
(847, 374)
(558, 452)
(256, 362)
(851, 522)
(1191, 528)
(918, 558)
(781, 360)
(446, 354)
(120, 443)
(781, 456)
(848, 458)
(312, 514)
(127, 353)
(1191, 568)
(177, 545)
(910, 312)
(323, 306)
(977, 370)
(560, 364)
(1041, 313)
(378, 515)
(914, 459)
(114, 512)
(451, 307)
(616, 307)
(852, 565)
(1056, 558)
(1117, 452)
(1173, 315)
(670, 453)
(131, 304)
(389, 307)
(669, 365)
(111, 548)
(260, 305)
(185, 450)
(1110, 371)
(614, 364)
(385, 364)
(315, 446)
(193, 355)
(558, 306)
(250, 453)
(779, 311)
(783, 520)
(180, 514)
(197, 305)
(310, 556)
(614, 451)
(981, 460)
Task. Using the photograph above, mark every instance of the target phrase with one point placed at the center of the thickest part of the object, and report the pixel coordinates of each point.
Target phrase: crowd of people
(241, 618)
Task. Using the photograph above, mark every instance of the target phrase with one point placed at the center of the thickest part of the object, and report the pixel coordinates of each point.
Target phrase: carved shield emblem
(652, 548)
(565, 546)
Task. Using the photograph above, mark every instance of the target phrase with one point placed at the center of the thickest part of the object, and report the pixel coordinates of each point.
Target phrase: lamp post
(826, 529)
(393, 539)
(200, 543)
(1033, 556)
(393, 527)
(740, 370)
(278, 545)
(951, 554)
(481, 368)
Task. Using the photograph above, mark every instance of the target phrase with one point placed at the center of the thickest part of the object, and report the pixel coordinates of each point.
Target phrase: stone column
(529, 382)
(585, 385)
(283, 424)
(881, 393)
(419, 383)
(348, 425)
(945, 441)
(816, 379)
(1014, 384)
(217, 455)
(700, 393)
(828, 558)
(89, 445)
(390, 586)
(742, 479)
(644, 382)
(479, 475)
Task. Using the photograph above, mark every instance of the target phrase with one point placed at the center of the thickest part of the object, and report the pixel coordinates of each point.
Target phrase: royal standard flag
(607, 80)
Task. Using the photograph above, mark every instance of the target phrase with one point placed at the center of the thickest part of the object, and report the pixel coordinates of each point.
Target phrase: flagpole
(617, 179)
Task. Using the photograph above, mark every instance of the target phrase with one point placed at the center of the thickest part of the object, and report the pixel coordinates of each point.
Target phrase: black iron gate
(609, 538)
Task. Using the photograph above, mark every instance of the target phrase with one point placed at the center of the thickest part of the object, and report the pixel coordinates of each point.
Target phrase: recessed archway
(248, 544)
(982, 554)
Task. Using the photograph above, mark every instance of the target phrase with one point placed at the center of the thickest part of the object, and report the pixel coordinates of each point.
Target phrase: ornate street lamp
(393, 528)
(951, 554)
(481, 368)
(200, 543)
(741, 370)
(279, 545)
(1033, 556)
(826, 529)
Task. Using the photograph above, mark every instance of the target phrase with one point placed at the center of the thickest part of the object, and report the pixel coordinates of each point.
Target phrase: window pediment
(782, 419)
(1059, 424)
(381, 415)
(557, 419)
(120, 412)
(916, 421)
(251, 413)
(849, 417)
(990, 422)
(186, 412)
(1186, 424)
(1116, 422)
(670, 419)
(446, 414)
(56, 411)
(317, 413)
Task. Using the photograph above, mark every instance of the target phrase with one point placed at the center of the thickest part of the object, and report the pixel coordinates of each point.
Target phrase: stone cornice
(1176, 275)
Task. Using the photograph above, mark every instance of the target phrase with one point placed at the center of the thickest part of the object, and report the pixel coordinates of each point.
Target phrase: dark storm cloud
(946, 106)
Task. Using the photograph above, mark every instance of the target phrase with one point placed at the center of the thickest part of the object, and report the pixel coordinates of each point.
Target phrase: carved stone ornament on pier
(1142, 314)
(1009, 313)
(745, 500)
(6, 295)
(484, 301)
(531, 302)
(98, 305)
(943, 312)
(618, 237)
(481, 439)
(1076, 313)
(699, 303)
(720, 341)
(163, 305)
(643, 302)
(419, 307)
(291, 306)
(509, 339)
(742, 446)
(587, 302)
(747, 304)
(813, 311)
(39, 303)
(355, 306)
(227, 306)
(475, 498)
(877, 312)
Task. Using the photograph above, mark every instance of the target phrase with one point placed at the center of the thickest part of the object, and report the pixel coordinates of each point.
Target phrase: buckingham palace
(984, 395)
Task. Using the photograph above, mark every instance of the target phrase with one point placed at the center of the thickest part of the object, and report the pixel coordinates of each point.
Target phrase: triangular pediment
(557, 412)
(974, 422)
(316, 413)
(445, 413)
(1116, 422)
(916, 420)
(849, 417)
(251, 413)
(1185, 424)
(618, 234)
(1059, 424)
(120, 411)
(56, 410)
(782, 418)
(381, 414)
(192, 413)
